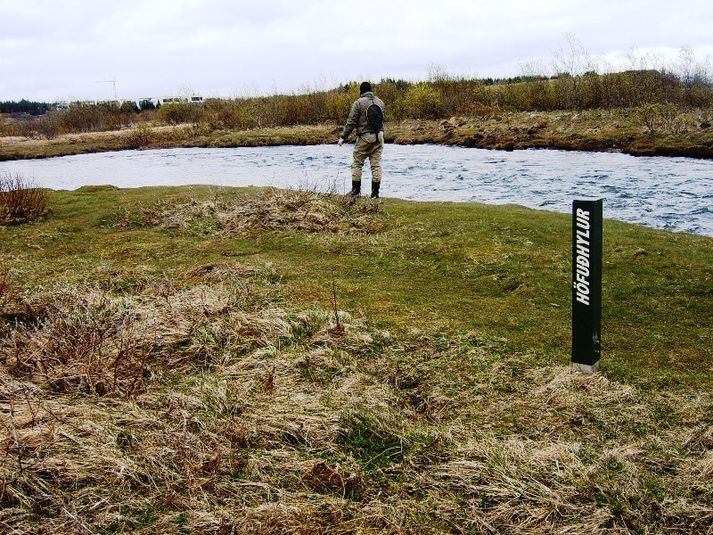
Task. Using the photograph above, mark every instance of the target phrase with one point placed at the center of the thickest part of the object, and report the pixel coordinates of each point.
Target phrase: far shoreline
(586, 131)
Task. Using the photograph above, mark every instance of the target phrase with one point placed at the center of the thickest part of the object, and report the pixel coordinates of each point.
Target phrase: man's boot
(356, 188)
(375, 190)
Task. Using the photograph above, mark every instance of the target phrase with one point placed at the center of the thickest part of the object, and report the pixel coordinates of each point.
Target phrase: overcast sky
(58, 50)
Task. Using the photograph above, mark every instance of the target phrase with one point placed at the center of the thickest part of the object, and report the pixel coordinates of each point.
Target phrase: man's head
(364, 87)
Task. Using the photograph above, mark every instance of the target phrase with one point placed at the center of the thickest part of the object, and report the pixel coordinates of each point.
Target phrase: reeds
(20, 201)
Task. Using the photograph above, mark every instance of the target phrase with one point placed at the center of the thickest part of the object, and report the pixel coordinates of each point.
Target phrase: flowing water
(667, 193)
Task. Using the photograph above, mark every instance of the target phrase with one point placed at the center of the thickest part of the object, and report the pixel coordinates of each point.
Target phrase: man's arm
(352, 121)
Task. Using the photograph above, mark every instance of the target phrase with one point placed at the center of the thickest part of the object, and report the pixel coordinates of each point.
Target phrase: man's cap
(364, 87)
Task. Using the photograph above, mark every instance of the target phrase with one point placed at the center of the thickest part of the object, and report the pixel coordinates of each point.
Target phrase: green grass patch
(262, 361)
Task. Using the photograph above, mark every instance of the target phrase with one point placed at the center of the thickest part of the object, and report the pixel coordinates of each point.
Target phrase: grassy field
(626, 130)
(202, 360)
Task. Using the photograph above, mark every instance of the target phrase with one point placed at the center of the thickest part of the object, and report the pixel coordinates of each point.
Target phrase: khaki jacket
(357, 115)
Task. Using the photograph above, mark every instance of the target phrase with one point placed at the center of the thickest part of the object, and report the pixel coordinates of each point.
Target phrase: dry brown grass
(200, 406)
(20, 201)
(79, 343)
(271, 209)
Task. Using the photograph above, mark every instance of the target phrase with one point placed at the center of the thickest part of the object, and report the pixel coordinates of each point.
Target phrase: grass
(170, 361)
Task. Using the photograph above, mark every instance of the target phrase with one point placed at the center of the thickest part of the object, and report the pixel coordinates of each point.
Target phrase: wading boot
(356, 188)
(375, 190)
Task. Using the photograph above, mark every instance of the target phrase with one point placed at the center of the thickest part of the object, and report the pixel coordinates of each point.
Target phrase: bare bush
(20, 200)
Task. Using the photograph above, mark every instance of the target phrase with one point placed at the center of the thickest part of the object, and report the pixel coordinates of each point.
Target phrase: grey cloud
(51, 50)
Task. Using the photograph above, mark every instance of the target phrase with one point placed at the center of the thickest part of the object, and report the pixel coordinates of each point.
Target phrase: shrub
(664, 118)
(178, 112)
(140, 137)
(129, 106)
(82, 118)
(221, 113)
(20, 201)
(423, 102)
(47, 126)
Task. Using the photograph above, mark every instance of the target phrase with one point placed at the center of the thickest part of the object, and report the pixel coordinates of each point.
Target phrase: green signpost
(586, 284)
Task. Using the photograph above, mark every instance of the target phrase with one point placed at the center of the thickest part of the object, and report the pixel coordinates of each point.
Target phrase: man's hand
(340, 142)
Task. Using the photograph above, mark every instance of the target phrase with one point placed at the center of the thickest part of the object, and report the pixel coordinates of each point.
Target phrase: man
(367, 117)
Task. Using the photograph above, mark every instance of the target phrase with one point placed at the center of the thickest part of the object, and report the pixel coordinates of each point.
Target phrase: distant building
(156, 101)
(195, 99)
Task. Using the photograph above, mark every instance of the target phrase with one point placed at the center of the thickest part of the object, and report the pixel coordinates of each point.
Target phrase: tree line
(25, 106)
(439, 97)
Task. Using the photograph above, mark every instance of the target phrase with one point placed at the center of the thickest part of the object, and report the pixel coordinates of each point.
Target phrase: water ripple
(667, 193)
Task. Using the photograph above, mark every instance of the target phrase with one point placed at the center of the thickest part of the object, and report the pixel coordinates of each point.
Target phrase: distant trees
(146, 104)
(25, 106)
(129, 106)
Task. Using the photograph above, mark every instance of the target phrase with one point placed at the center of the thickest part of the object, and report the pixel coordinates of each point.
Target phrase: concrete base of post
(586, 368)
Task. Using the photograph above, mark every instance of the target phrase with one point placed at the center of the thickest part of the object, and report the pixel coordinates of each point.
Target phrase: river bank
(622, 130)
(220, 360)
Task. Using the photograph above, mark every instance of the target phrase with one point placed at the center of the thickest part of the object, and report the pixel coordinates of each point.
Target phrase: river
(666, 193)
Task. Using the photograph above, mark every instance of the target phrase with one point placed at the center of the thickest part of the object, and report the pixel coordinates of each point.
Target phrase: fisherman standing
(367, 117)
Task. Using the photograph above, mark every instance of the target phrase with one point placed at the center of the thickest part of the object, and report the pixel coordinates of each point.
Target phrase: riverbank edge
(591, 131)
